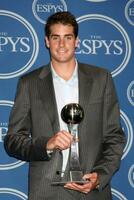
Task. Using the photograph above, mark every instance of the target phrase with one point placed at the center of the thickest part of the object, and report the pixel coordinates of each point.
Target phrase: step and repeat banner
(106, 39)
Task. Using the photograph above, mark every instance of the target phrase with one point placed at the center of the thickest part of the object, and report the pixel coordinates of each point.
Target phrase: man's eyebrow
(69, 34)
(54, 35)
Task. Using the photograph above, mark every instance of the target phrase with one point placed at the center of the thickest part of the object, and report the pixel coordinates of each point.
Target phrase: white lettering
(3, 132)
(15, 44)
(3, 42)
(132, 93)
(107, 46)
(133, 175)
(131, 11)
(87, 46)
(42, 8)
(96, 44)
(24, 44)
(117, 45)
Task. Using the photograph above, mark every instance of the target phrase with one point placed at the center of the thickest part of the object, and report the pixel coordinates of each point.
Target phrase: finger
(94, 178)
(67, 135)
(77, 187)
(73, 186)
(91, 176)
(63, 142)
(87, 176)
(80, 187)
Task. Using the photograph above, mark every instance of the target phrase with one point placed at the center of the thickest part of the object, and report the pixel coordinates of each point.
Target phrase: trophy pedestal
(72, 114)
(74, 177)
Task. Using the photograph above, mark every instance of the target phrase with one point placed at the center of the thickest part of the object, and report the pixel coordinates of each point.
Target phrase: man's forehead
(61, 26)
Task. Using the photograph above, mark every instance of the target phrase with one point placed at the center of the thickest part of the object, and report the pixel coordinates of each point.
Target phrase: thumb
(92, 176)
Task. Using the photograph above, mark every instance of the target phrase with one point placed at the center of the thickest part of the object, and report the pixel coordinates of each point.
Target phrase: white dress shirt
(66, 92)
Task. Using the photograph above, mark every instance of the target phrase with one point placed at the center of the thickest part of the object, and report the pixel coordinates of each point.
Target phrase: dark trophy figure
(72, 114)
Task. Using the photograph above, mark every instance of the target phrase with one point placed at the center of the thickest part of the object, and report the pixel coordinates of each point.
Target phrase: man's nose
(62, 42)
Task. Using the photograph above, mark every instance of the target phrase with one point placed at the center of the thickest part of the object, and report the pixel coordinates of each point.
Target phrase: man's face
(62, 43)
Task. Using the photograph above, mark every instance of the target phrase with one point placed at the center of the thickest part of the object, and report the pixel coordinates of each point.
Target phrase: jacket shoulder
(93, 71)
(33, 75)
(92, 68)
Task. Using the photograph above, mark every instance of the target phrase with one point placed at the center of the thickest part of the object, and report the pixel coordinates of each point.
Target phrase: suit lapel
(85, 89)
(85, 86)
(47, 96)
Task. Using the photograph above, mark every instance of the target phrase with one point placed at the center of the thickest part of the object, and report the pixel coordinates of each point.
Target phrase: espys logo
(131, 176)
(9, 193)
(19, 45)
(127, 127)
(43, 9)
(99, 47)
(130, 93)
(6, 162)
(117, 195)
(129, 12)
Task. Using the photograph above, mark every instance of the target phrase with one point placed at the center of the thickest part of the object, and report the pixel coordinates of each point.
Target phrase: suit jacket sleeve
(18, 142)
(113, 136)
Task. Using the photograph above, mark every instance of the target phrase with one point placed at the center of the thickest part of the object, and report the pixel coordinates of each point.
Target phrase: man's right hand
(61, 140)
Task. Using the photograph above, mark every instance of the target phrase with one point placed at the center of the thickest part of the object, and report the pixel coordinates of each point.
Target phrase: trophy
(72, 114)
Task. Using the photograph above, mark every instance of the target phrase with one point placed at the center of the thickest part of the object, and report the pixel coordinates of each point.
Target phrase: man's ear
(47, 41)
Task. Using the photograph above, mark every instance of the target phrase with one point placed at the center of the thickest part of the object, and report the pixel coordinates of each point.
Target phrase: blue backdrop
(106, 40)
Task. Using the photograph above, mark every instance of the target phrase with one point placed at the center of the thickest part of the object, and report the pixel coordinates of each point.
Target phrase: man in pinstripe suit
(38, 135)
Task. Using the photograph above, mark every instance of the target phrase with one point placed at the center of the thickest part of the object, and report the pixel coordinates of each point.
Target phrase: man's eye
(55, 38)
(69, 37)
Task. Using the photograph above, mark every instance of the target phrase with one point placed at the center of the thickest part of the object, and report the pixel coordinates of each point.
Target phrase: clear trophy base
(72, 114)
(74, 177)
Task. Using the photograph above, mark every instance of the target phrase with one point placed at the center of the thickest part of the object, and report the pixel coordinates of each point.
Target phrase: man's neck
(64, 70)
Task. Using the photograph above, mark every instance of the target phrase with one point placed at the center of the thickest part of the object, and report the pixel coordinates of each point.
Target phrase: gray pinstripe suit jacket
(34, 119)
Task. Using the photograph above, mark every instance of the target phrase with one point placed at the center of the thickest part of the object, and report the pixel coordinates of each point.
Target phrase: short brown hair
(65, 18)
